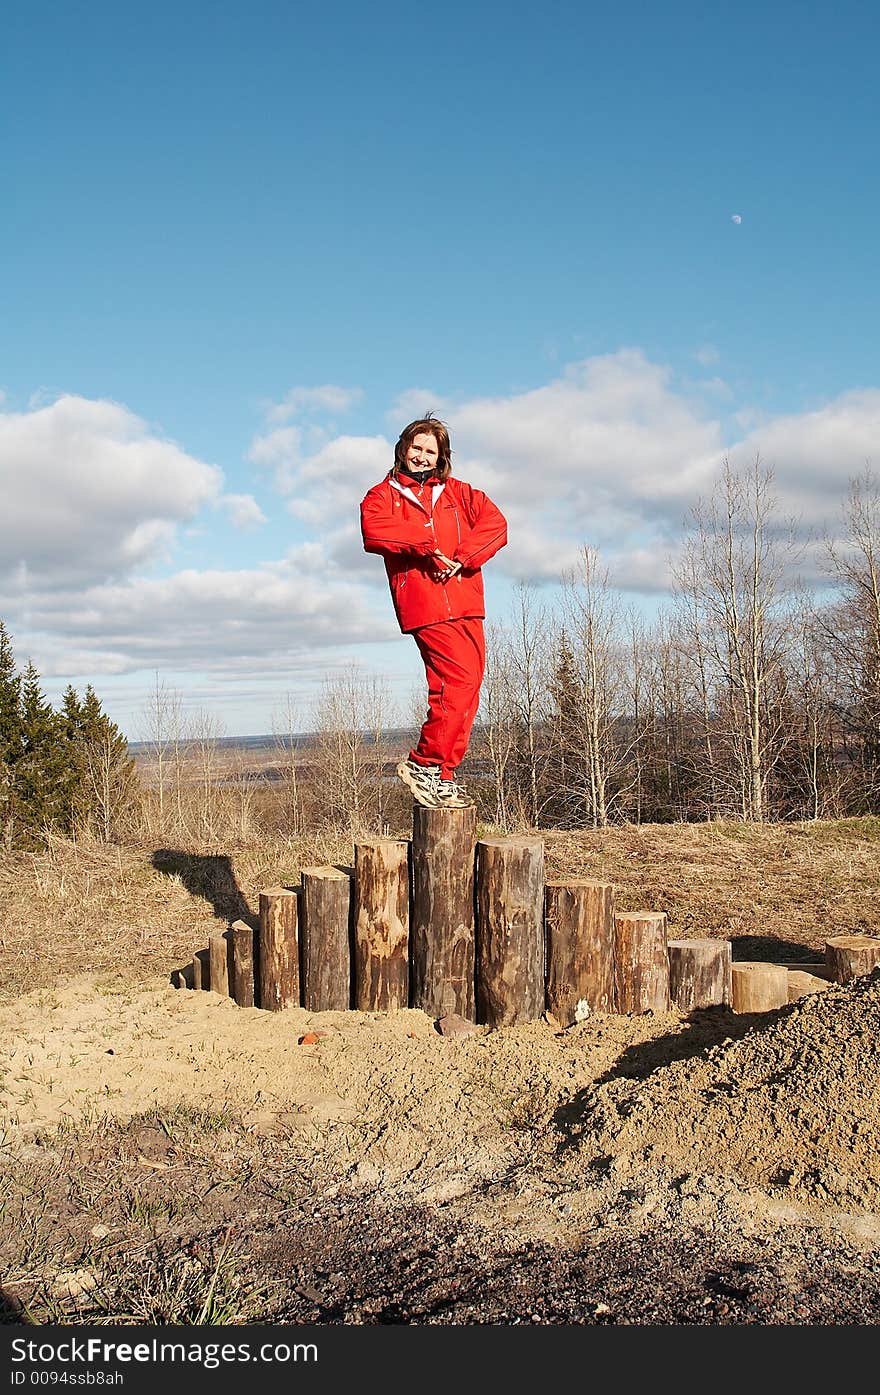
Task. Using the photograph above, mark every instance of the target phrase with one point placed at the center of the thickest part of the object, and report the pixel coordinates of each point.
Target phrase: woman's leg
(454, 655)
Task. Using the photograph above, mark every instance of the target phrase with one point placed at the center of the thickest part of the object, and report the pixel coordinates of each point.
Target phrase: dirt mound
(793, 1104)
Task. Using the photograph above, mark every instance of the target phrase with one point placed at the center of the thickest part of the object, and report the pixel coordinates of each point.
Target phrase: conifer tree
(106, 782)
(10, 735)
(45, 769)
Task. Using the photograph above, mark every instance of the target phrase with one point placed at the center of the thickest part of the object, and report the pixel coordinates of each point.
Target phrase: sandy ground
(783, 1109)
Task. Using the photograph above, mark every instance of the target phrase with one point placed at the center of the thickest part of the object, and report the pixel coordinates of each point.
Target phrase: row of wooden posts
(452, 925)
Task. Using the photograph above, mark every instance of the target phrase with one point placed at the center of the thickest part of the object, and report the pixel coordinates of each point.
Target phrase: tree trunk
(279, 949)
(219, 957)
(242, 937)
(641, 961)
(442, 954)
(850, 956)
(699, 973)
(758, 987)
(579, 921)
(325, 939)
(202, 969)
(510, 930)
(381, 925)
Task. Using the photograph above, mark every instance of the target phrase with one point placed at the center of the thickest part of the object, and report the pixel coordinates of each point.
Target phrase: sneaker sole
(419, 795)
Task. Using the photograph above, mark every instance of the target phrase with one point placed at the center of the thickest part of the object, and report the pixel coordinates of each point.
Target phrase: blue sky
(243, 244)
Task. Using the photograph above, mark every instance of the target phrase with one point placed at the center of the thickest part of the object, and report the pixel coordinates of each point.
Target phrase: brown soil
(155, 1140)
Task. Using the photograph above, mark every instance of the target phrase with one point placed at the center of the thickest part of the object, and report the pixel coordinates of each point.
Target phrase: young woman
(434, 533)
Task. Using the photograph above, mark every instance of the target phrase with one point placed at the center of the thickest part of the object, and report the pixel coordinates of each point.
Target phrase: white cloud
(244, 511)
(814, 454)
(327, 398)
(607, 442)
(275, 616)
(89, 492)
(279, 451)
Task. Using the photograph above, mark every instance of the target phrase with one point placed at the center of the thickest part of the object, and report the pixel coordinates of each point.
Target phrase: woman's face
(422, 453)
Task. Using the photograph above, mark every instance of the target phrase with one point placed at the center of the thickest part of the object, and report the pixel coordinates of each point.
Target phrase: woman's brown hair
(428, 425)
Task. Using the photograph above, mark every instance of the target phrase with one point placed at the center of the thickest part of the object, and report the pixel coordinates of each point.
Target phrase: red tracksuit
(407, 524)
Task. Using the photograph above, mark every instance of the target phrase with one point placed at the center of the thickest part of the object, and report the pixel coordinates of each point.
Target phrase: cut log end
(758, 987)
(850, 956)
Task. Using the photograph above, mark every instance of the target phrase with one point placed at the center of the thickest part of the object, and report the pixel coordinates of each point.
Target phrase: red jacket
(407, 523)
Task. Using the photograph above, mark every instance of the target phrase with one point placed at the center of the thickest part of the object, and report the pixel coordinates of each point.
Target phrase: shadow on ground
(211, 877)
(770, 949)
(706, 1027)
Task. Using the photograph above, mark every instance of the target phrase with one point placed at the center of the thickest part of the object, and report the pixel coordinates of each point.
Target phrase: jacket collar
(435, 488)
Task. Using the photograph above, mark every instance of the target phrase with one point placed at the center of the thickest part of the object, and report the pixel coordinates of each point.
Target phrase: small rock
(72, 1283)
(454, 1026)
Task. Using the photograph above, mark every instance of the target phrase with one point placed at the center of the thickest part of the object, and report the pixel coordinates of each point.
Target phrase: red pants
(454, 654)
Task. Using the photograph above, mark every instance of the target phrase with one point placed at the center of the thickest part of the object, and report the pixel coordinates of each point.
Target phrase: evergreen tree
(44, 771)
(10, 736)
(105, 788)
(64, 770)
(566, 687)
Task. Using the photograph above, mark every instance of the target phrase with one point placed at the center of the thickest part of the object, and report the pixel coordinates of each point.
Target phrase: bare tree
(853, 626)
(351, 719)
(495, 735)
(162, 718)
(734, 568)
(287, 752)
(599, 746)
(528, 654)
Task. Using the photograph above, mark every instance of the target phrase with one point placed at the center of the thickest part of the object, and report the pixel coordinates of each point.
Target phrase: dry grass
(138, 912)
(776, 890)
(133, 912)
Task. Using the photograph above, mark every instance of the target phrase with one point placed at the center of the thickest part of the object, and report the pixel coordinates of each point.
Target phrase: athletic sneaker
(452, 796)
(422, 780)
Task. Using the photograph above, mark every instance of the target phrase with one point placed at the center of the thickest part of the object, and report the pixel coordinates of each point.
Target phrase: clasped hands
(447, 567)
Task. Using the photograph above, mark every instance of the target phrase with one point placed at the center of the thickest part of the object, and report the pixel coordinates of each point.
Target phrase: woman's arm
(384, 528)
(487, 533)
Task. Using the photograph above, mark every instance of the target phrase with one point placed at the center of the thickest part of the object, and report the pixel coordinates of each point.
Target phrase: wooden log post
(381, 925)
(325, 939)
(641, 961)
(699, 973)
(219, 957)
(510, 958)
(758, 987)
(243, 988)
(183, 978)
(850, 956)
(278, 974)
(442, 950)
(801, 983)
(579, 924)
(201, 968)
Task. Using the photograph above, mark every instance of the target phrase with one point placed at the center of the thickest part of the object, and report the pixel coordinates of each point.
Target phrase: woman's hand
(448, 568)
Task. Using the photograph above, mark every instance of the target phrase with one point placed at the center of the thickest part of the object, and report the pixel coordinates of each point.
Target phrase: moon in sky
(735, 218)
